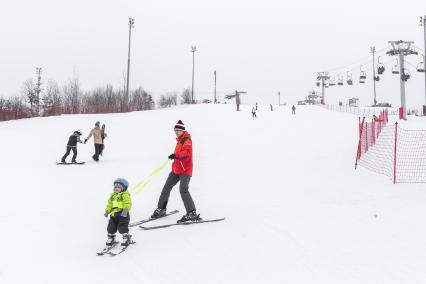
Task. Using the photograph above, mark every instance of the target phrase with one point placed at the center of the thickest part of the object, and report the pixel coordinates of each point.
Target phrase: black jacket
(72, 141)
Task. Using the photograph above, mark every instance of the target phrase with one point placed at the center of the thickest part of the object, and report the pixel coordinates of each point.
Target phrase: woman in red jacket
(181, 171)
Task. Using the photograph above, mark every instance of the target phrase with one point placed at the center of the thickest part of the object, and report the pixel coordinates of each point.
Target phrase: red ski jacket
(182, 164)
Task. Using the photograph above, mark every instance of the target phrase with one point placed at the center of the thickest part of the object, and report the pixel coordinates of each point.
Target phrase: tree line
(53, 99)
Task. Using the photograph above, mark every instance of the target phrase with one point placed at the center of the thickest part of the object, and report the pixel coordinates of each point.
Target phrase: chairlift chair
(362, 75)
(380, 67)
(331, 83)
(349, 80)
(421, 67)
(395, 68)
(405, 75)
(318, 83)
(339, 81)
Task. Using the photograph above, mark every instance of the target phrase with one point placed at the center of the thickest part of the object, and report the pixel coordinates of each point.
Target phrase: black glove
(172, 157)
(106, 214)
(85, 140)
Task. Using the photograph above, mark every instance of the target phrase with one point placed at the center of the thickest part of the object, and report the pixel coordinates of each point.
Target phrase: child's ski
(123, 249)
(107, 249)
(152, 219)
(183, 223)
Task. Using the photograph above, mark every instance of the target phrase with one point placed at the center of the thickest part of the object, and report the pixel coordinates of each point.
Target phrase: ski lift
(376, 78)
(380, 67)
(362, 75)
(349, 80)
(339, 80)
(332, 83)
(405, 75)
(421, 66)
(395, 68)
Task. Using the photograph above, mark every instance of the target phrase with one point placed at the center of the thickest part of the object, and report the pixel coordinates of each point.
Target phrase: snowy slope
(296, 210)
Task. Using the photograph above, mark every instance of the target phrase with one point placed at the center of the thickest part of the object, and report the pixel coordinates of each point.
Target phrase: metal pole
(193, 49)
(322, 93)
(424, 63)
(402, 83)
(373, 50)
(215, 99)
(126, 99)
(279, 98)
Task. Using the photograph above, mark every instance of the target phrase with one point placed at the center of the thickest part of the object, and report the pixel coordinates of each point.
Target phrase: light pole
(215, 98)
(126, 98)
(373, 51)
(279, 98)
(423, 23)
(193, 49)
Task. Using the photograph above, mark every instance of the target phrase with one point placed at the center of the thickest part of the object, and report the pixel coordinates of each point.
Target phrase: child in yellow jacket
(118, 207)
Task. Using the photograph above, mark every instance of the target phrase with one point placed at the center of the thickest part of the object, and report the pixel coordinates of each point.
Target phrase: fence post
(366, 137)
(373, 134)
(358, 154)
(394, 153)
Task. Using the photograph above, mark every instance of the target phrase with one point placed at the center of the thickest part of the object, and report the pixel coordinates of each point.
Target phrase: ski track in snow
(296, 210)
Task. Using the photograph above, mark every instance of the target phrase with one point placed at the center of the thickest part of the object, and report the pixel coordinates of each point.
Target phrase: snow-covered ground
(297, 211)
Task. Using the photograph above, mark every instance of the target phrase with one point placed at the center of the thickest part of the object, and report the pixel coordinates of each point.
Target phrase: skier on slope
(72, 145)
(118, 207)
(181, 171)
(253, 112)
(293, 110)
(97, 137)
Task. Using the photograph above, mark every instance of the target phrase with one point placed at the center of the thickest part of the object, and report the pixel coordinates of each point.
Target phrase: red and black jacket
(182, 164)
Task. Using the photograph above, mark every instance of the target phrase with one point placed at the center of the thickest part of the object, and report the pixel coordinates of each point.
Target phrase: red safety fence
(393, 151)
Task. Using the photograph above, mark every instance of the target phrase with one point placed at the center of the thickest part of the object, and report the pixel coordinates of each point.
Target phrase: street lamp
(126, 99)
(193, 49)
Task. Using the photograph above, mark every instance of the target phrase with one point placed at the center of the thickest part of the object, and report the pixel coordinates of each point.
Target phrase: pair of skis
(110, 250)
(139, 223)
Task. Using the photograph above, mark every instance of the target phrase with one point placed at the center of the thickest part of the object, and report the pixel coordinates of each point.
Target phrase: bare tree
(186, 96)
(28, 92)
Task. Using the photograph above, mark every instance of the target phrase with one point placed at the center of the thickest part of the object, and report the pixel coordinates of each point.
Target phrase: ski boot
(126, 240)
(191, 216)
(74, 161)
(159, 212)
(110, 240)
(63, 161)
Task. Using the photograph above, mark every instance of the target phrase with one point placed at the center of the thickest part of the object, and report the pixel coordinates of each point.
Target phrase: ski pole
(143, 183)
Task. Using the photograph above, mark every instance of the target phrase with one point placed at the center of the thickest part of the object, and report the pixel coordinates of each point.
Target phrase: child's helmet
(122, 183)
(78, 132)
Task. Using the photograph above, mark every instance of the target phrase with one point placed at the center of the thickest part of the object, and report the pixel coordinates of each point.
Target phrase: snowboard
(79, 163)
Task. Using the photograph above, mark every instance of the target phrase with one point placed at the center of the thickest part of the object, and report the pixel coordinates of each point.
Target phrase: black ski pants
(98, 149)
(117, 222)
(171, 181)
(74, 150)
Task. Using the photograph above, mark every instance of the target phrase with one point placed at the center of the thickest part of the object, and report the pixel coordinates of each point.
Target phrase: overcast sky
(261, 47)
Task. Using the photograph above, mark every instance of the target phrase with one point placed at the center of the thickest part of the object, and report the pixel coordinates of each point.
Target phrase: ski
(79, 163)
(107, 249)
(123, 249)
(183, 223)
(152, 219)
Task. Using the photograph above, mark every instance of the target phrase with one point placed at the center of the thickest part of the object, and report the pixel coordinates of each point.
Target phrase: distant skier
(256, 106)
(118, 207)
(272, 109)
(253, 112)
(97, 137)
(293, 110)
(181, 171)
(72, 145)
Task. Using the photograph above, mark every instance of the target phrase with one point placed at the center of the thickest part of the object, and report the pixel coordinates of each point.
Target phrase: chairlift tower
(236, 95)
(423, 24)
(323, 76)
(401, 49)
